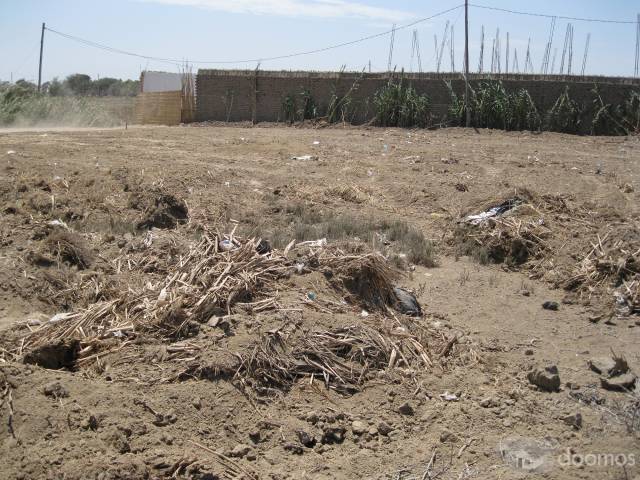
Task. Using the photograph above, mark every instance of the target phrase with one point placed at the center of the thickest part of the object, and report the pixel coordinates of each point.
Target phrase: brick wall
(239, 95)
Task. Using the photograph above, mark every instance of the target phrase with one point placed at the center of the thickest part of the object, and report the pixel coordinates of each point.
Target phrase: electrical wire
(544, 15)
(254, 60)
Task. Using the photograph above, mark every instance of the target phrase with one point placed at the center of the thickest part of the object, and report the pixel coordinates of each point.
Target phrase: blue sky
(229, 30)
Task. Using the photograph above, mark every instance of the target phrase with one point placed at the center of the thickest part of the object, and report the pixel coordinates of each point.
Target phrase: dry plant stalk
(343, 358)
(206, 281)
(611, 262)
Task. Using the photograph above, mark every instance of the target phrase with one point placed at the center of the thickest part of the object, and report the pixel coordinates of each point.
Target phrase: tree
(26, 85)
(56, 88)
(79, 83)
(102, 86)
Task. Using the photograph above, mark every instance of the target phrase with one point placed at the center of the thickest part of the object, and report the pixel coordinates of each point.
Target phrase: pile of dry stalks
(513, 236)
(612, 263)
(217, 275)
(209, 280)
(341, 358)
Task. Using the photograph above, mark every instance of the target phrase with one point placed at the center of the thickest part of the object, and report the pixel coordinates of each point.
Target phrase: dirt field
(137, 341)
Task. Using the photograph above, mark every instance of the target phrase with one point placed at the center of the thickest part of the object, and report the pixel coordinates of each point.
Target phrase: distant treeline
(80, 84)
(76, 101)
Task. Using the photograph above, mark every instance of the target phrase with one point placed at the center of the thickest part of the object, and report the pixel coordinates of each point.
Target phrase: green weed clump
(492, 106)
(621, 119)
(394, 237)
(399, 105)
(308, 110)
(565, 115)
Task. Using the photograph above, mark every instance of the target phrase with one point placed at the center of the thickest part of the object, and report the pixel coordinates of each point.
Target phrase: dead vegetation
(512, 229)
(342, 359)
(398, 240)
(220, 275)
(611, 265)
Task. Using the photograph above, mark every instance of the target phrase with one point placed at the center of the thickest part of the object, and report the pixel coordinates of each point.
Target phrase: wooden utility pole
(466, 61)
(40, 66)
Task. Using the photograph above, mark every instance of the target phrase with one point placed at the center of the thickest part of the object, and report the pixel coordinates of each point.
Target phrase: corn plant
(342, 108)
(492, 106)
(308, 109)
(522, 113)
(456, 111)
(289, 109)
(399, 105)
(610, 119)
(565, 115)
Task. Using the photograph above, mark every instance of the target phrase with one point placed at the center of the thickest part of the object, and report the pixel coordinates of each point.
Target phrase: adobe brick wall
(239, 95)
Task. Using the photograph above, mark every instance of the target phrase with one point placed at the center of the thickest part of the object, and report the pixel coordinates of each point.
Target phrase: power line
(544, 15)
(254, 60)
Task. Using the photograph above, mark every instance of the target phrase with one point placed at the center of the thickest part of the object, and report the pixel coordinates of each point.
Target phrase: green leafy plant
(565, 115)
(621, 119)
(308, 109)
(342, 108)
(289, 109)
(492, 106)
(522, 113)
(399, 105)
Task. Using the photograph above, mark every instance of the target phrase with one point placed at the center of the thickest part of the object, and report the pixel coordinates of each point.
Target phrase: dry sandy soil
(156, 387)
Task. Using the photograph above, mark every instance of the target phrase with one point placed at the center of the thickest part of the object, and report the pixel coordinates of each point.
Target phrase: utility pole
(466, 62)
(40, 66)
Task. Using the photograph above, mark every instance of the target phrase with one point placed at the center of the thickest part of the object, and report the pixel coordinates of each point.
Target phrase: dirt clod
(406, 409)
(240, 450)
(358, 427)
(574, 420)
(305, 438)
(332, 434)
(384, 428)
(546, 379)
(55, 390)
(165, 211)
(621, 383)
